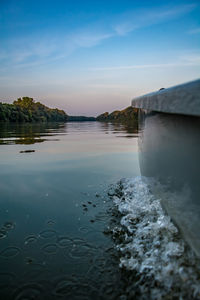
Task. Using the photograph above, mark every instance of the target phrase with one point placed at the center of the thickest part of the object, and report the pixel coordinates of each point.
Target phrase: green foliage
(80, 119)
(27, 110)
(126, 115)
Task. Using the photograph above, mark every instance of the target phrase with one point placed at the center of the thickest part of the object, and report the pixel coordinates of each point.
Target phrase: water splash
(151, 246)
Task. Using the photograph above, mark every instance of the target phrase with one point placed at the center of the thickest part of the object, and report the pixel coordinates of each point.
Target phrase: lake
(54, 208)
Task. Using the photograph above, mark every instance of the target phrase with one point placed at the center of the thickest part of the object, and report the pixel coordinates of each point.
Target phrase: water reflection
(28, 133)
(32, 133)
(130, 128)
(53, 208)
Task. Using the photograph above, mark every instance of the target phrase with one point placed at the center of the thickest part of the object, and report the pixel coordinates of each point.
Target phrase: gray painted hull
(169, 152)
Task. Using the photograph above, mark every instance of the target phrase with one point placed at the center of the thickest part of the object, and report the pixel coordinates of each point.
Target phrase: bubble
(29, 291)
(50, 248)
(47, 234)
(10, 252)
(149, 244)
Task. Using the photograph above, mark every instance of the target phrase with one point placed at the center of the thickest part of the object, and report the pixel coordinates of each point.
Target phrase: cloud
(194, 31)
(192, 58)
(88, 39)
(39, 49)
(131, 21)
(184, 61)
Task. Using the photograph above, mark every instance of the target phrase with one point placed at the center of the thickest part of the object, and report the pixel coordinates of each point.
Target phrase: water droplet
(50, 248)
(10, 252)
(47, 234)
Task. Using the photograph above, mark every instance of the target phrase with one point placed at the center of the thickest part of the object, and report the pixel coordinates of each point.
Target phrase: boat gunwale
(181, 99)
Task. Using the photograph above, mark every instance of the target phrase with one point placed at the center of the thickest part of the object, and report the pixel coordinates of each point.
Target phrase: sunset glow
(87, 57)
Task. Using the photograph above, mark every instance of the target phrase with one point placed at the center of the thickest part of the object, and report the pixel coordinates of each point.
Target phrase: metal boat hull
(169, 152)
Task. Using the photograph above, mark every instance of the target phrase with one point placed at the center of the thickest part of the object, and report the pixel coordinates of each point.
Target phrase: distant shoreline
(26, 110)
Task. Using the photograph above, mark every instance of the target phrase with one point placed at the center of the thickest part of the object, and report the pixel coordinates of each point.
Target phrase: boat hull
(169, 154)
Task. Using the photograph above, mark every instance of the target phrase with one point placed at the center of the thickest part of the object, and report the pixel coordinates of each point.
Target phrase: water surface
(53, 208)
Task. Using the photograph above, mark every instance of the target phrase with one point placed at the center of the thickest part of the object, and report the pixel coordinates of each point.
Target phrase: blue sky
(88, 57)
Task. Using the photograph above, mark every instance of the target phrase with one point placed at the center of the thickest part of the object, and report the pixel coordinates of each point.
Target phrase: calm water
(53, 208)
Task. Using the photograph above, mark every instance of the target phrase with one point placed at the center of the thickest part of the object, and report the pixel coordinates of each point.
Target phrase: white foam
(152, 245)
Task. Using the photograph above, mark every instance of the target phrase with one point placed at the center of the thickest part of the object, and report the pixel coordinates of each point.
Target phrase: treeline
(128, 114)
(27, 110)
(80, 119)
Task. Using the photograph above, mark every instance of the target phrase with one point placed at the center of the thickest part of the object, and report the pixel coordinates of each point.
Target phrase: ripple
(9, 225)
(101, 217)
(6, 278)
(64, 288)
(50, 222)
(84, 229)
(10, 252)
(64, 242)
(29, 291)
(3, 234)
(47, 234)
(50, 248)
(36, 270)
(74, 290)
(81, 250)
(30, 239)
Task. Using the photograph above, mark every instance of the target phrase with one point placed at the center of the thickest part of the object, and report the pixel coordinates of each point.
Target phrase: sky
(88, 57)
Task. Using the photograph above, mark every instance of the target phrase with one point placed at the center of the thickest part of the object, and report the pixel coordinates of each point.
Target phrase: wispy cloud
(31, 51)
(131, 21)
(194, 31)
(41, 49)
(182, 61)
(88, 39)
(192, 58)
